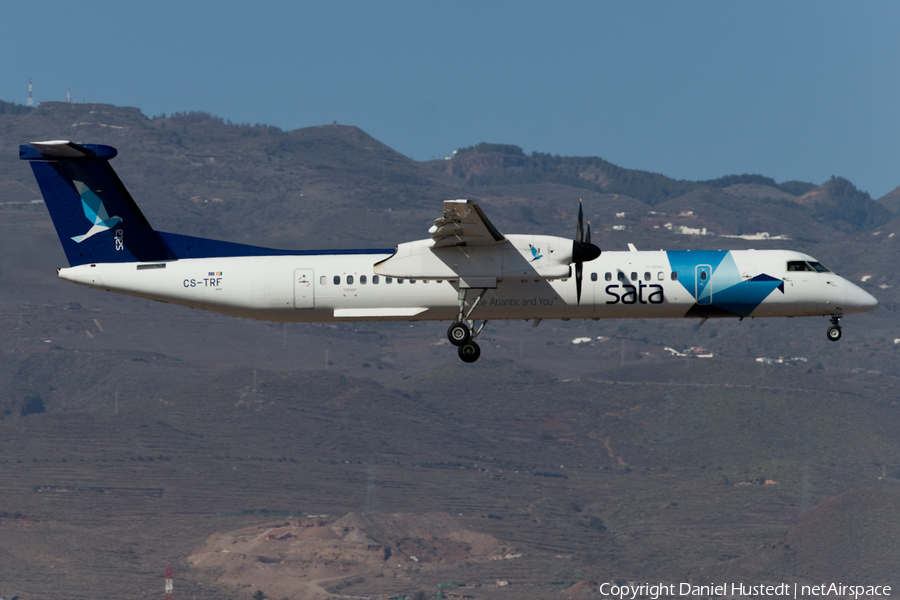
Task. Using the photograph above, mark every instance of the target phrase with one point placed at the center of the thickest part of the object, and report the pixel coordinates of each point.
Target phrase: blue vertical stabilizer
(95, 217)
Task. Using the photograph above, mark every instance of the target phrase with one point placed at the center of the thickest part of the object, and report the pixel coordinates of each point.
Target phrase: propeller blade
(579, 231)
(578, 269)
(582, 249)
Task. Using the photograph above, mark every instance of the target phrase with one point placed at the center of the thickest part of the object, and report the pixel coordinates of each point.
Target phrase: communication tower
(169, 582)
(30, 100)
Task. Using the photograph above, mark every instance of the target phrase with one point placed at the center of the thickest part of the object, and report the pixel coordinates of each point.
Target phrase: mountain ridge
(289, 187)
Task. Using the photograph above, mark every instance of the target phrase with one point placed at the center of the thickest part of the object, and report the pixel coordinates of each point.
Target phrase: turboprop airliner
(466, 271)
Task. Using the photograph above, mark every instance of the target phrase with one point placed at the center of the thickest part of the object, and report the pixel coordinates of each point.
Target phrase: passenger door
(304, 288)
(703, 284)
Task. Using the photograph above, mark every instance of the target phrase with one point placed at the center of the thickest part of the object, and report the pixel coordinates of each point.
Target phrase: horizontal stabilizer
(63, 149)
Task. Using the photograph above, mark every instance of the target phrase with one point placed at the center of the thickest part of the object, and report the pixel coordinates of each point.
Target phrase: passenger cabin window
(399, 281)
(388, 280)
(674, 276)
(349, 279)
(646, 275)
(412, 280)
(362, 279)
(703, 275)
(593, 277)
(609, 276)
(621, 276)
(337, 280)
(633, 276)
(375, 279)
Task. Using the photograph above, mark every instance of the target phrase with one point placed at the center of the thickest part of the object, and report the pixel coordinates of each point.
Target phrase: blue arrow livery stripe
(725, 291)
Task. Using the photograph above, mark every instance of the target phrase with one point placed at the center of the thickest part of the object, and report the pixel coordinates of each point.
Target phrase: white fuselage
(345, 287)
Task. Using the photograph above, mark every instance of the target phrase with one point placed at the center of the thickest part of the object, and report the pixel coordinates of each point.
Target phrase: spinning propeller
(582, 249)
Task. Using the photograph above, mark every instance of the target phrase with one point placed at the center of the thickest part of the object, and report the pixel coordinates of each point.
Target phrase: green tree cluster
(794, 188)
(11, 108)
(850, 206)
(509, 149)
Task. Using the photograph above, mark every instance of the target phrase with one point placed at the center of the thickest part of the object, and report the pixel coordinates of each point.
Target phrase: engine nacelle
(522, 256)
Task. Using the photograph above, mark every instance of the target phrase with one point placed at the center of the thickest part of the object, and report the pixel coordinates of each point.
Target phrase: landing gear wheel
(459, 334)
(834, 333)
(469, 352)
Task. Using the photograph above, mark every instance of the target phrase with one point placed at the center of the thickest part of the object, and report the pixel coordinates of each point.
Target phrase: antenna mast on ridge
(169, 582)
(30, 102)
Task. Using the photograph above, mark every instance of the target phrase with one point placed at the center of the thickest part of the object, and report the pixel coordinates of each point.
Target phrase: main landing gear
(834, 332)
(461, 335)
(462, 332)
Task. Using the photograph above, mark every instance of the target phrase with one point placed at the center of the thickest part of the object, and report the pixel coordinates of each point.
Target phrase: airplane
(466, 270)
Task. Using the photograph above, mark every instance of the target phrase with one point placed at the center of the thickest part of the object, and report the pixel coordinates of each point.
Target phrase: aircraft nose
(860, 300)
(867, 301)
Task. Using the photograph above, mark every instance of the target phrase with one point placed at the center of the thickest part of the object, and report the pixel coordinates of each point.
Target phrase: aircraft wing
(464, 224)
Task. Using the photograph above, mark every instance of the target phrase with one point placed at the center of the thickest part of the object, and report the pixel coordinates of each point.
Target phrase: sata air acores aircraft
(466, 270)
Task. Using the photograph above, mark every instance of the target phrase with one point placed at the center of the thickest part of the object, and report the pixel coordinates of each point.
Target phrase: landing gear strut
(834, 332)
(462, 332)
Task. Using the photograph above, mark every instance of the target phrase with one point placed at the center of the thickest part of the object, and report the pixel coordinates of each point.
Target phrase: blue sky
(695, 90)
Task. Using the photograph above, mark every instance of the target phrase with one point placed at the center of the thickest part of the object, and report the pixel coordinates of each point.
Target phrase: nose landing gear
(834, 332)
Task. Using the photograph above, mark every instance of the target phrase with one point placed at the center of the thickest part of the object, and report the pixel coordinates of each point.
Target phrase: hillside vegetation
(840, 203)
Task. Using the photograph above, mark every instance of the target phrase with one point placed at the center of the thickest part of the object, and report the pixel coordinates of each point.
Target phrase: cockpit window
(802, 265)
(798, 265)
